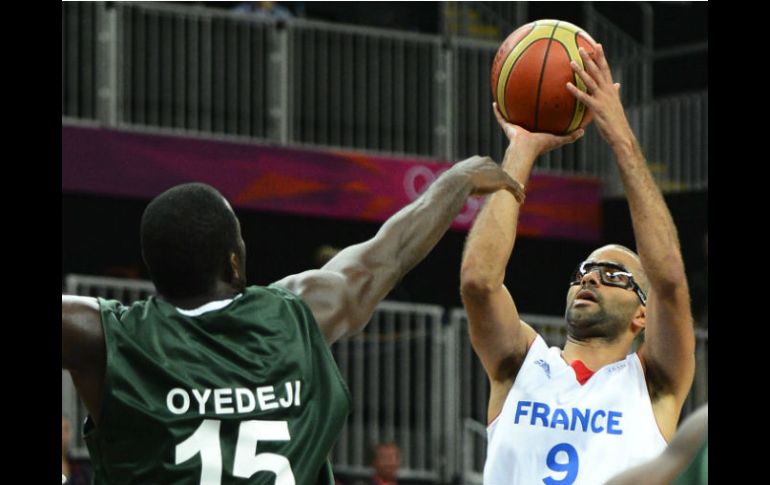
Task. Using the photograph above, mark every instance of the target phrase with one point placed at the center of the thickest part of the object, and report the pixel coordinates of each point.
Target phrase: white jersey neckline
(208, 307)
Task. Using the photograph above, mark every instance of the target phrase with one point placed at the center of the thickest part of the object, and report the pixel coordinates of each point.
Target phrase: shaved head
(610, 251)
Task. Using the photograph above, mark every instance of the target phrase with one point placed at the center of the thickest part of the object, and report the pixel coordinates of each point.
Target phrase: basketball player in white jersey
(581, 414)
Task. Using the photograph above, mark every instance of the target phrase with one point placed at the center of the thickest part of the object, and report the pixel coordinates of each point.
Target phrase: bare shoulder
(84, 351)
(80, 304)
(325, 293)
(82, 333)
(316, 287)
(81, 312)
(310, 281)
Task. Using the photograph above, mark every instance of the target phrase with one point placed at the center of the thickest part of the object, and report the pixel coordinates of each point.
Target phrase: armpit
(658, 383)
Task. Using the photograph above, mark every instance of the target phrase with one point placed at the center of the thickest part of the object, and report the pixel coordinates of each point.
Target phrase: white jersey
(554, 430)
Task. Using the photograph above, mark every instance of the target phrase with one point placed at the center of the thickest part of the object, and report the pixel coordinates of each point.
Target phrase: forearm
(491, 239)
(408, 236)
(654, 230)
(345, 292)
(371, 269)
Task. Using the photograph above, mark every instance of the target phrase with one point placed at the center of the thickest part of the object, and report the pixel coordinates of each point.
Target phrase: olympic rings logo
(419, 177)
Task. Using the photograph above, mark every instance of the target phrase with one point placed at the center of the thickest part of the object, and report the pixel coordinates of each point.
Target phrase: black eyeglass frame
(587, 266)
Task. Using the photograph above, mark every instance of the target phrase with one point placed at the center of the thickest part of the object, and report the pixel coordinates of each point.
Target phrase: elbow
(674, 285)
(670, 282)
(474, 284)
(669, 276)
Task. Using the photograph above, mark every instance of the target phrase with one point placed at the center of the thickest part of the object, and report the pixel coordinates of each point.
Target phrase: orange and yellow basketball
(530, 74)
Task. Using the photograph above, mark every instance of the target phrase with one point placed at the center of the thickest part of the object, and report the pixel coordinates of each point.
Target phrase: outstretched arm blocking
(345, 292)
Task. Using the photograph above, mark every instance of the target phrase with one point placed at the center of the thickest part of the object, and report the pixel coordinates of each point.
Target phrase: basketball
(530, 74)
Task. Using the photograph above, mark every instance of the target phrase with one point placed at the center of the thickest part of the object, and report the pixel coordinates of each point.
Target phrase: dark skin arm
(669, 464)
(83, 353)
(345, 292)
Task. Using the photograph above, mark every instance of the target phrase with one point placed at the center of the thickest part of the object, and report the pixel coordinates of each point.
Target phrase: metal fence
(414, 379)
(631, 61)
(183, 69)
(674, 135)
(208, 72)
(78, 59)
(363, 88)
(394, 372)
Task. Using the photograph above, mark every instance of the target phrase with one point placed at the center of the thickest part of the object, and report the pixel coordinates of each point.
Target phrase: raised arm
(345, 292)
(669, 350)
(82, 348)
(498, 336)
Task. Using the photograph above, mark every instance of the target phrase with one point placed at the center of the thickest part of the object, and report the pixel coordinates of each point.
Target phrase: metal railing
(363, 88)
(79, 59)
(208, 72)
(631, 61)
(121, 289)
(393, 370)
(474, 439)
(186, 69)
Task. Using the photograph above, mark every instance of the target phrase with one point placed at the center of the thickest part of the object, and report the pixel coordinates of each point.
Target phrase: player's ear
(235, 264)
(639, 321)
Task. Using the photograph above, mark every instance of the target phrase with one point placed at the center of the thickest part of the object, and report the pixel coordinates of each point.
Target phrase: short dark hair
(188, 233)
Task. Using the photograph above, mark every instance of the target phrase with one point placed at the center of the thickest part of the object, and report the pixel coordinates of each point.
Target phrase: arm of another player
(498, 336)
(345, 292)
(669, 351)
(674, 459)
(82, 348)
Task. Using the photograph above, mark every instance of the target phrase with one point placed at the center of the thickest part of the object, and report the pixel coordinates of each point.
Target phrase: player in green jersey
(216, 382)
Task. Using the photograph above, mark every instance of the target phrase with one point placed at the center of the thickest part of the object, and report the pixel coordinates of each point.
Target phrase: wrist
(519, 161)
(624, 147)
(622, 139)
(456, 176)
(526, 145)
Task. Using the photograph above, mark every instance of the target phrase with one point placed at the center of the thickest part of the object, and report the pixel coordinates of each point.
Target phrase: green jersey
(242, 391)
